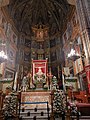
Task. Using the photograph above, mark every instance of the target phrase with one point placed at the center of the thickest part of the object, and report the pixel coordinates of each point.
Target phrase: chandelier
(3, 55)
(40, 32)
(73, 55)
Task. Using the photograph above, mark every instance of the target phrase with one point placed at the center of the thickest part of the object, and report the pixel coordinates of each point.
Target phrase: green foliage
(38, 78)
(10, 102)
(54, 83)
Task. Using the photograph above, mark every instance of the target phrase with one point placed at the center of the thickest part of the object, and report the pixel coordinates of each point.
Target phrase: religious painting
(78, 66)
(14, 38)
(12, 57)
(0, 17)
(57, 40)
(21, 54)
(40, 45)
(9, 31)
(33, 44)
(27, 56)
(9, 73)
(74, 22)
(28, 43)
(25, 69)
(53, 56)
(66, 71)
(64, 38)
(22, 40)
(47, 44)
(53, 29)
(4, 24)
(58, 53)
(71, 82)
(52, 43)
(69, 30)
(78, 45)
(85, 83)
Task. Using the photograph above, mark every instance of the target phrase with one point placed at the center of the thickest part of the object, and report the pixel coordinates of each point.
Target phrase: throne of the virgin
(39, 74)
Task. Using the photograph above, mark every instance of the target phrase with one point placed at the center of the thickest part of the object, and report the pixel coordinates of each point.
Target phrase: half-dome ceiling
(27, 13)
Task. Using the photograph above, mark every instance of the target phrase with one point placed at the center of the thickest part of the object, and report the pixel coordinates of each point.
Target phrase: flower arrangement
(39, 78)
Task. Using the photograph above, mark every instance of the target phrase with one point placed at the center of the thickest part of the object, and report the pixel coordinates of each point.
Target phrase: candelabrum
(50, 78)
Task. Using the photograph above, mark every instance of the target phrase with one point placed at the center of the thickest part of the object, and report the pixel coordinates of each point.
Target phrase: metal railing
(47, 108)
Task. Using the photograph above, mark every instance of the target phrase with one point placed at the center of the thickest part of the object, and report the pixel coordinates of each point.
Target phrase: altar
(39, 91)
(36, 97)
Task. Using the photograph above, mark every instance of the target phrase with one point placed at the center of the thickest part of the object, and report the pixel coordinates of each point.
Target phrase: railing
(47, 108)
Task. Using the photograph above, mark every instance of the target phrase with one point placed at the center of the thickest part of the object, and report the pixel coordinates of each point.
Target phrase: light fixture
(73, 55)
(3, 56)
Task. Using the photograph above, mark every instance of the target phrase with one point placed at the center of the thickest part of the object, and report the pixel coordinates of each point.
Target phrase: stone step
(36, 110)
(33, 118)
(81, 117)
(35, 113)
(40, 113)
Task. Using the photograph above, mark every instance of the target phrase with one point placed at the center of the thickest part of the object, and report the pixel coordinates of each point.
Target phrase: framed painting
(71, 82)
(9, 73)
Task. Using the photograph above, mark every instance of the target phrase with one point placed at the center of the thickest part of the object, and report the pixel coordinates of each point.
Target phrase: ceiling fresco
(51, 13)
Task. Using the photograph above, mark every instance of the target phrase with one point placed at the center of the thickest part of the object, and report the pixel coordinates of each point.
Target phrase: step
(33, 113)
(81, 117)
(37, 118)
(33, 110)
(37, 113)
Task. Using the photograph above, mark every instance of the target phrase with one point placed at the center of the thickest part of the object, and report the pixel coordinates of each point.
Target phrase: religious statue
(39, 78)
(8, 30)
(24, 84)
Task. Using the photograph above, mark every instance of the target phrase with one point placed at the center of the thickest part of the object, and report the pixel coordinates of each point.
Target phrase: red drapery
(39, 65)
(87, 70)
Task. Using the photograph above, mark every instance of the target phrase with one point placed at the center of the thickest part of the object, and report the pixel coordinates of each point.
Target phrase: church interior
(44, 59)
